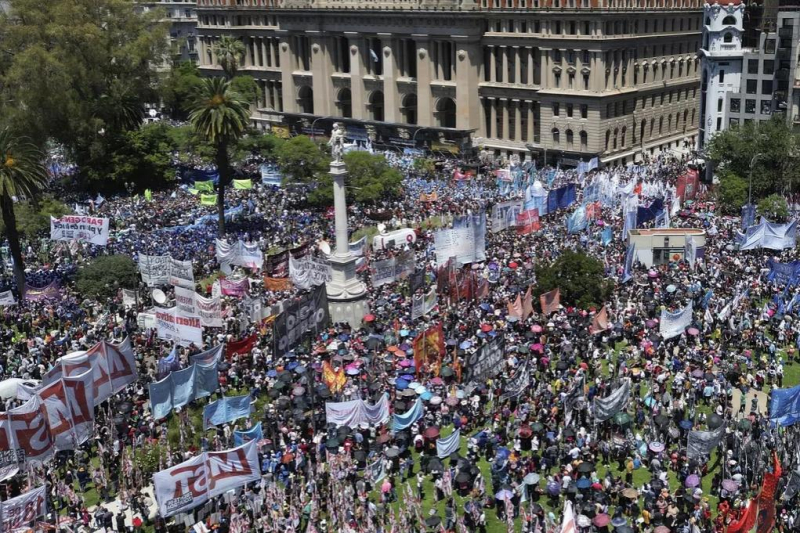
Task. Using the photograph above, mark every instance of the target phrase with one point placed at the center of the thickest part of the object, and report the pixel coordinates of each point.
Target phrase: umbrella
(630, 493)
(504, 494)
(369, 318)
(744, 424)
(447, 372)
(686, 424)
(601, 520)
(661, 420)
(531, 479)
(392, 452)
(650, 323)
(298, 391)
(692, 481)
(436, 400)
(451, 342)
(431, 433)
(656, 447)
(714, 421)
(622, 418)
(332, 443)
(671, 288)
(618, 521)
(625, 528)
(583, 521)
(401, 384)
(451, 401)
(433, 521)
(554, 489)
(585, 467)
(730, 485)
(693, 332)
(583, 483)
(437, 381)
(661, 529)
(536, 328)
(466, 345)
(435, 465)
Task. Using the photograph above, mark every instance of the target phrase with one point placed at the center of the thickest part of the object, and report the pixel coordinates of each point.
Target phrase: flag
(208, 199)
(568, 521)
(242, 346)
(429, 349)
(373, 55)
(760, 512)
(527, 305)
(550, 301)
(605, 408)
(417, 280)
(701, 443)
(599, 322)
(690, 250)
(148, 195)
(242, 184)
(515, 309)
(629, 255)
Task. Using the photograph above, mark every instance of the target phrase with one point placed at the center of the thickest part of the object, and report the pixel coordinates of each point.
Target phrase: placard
(80, 228)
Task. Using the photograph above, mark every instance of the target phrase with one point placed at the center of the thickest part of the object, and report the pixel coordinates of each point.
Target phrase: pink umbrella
(693, 331)
(537, 347)
(437, 381)
(405, 363)
(536, 328)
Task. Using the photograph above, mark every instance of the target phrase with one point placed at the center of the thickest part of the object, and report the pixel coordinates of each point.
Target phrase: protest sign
(155, 269)
(485, 362)
(184, 330)
(308, 272)
(7, 298)
(309, 313)
(181, 273)
(48, 292)
(238, 288)
(79, 228)
(19, 512)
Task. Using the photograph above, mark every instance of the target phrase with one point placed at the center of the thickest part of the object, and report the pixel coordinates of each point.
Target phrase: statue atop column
(337, 142)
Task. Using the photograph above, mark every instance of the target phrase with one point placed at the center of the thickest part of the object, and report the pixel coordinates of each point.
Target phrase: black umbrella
(392, 452)
(585, 467)
(661, 420)
(435, 465)
(332, 443)
(714, 421)
(433, 521)
(463, 477)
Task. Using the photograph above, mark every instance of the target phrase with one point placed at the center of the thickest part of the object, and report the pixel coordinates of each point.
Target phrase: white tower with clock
(721, 60)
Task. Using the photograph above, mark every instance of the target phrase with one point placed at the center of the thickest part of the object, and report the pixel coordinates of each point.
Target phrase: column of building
(424, 73)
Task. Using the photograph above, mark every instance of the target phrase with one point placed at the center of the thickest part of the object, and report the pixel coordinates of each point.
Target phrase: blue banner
(254, 433)
(784, 408)
(783, 273)
(226, 409)
(181, 387)
(560, 198)
(607, 235)
(646, 214)
(748, 215)
(577, 221)
(448, 445)
(628, 272)
(401, 422)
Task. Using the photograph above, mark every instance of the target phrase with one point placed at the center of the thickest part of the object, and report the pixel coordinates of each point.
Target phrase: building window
(719, 105)
(721, 76)
(766, 107)
(766, 86)
(752, 66)
(570, 140)
(769, 66)
(719, 123)
(556, 137)
(608, 139)
(584, 141)
(727, 38)
(752, 86)
(733, 123)
(569, 110)
(769, 46)
(729, 21)
(557, 57)
(558, 80)
(584, 111)
(736, 105)
(585, 82)
(556, 109)
(749, 106)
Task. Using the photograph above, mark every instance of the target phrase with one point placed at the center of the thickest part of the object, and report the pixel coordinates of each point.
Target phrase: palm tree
(230, 52)
(220, 115)
(22, 175)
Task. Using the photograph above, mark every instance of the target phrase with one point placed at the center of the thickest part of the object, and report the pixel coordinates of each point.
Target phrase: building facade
(760, 82)
(560, 80)
(182, 18)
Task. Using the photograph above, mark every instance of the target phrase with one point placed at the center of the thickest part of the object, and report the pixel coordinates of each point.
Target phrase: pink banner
(235, 288)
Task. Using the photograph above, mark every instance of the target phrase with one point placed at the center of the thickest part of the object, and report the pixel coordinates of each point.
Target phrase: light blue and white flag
(448, 445)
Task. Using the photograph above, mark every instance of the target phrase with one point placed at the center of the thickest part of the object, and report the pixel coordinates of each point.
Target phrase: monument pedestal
(347, 295)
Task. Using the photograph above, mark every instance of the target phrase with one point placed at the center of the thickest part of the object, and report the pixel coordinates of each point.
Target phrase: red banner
(686, 188)
(528, 222)
(241, 346)
(429, 349)
(550, 301)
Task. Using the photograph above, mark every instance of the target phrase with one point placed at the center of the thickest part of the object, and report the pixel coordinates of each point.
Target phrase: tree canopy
(369, 179)
(301, 160)
(581, 279)
(772, 149)
(106, 274)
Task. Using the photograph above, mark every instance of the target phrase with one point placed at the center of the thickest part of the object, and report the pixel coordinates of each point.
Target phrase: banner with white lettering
(308, 272)
(172, 326)
(7, 298)
(181, 273)
(70, 410)
(155, 269)
(485, 362)
(20, 512)
(209, 310)
(29, 431)
(79, 228)
(308, 313)
(240, 253)
(185, 301)
(129, 298)
(191, 483)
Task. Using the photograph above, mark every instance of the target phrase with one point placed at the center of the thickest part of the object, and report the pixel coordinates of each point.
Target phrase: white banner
(189, 303)
(181, 273)
(79, 228)
(29, 431)
(129, 298)
(308, 272)
(146, 321)
(22, 511)
(185, 301)
(673, 324)
(7, 298)
(184, 330)
(191, 483)
(240, 253)
(154, 269)
(458, 243)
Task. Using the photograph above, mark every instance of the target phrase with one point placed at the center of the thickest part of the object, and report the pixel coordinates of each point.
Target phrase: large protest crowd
(198, 401)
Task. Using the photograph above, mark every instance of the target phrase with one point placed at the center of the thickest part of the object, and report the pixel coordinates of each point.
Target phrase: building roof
(724, 2)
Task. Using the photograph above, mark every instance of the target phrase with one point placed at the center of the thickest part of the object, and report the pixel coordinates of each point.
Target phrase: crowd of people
(527, 457)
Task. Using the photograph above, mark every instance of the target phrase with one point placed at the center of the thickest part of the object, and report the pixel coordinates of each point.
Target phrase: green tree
(369, 179)
(33, 218)
(178, 88)
(220, 116)
(247, 88)
(189, 144)
(774, 207)
(732, 192)
(105, 275)
(144, 158)
(230, 52)
(257, 143)
(580, 278)
(770, 147)
(79, 73)
(301, 160)
(22, 176)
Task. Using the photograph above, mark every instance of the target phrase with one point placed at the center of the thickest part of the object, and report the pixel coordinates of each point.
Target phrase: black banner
(278, 265)
(517, 384)
(486, 362)
(417, 280)
(308, 313)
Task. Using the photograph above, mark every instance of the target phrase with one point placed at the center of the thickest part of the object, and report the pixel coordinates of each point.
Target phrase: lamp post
(313, 132)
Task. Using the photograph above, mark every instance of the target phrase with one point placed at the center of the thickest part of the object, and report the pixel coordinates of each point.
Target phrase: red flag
(429, 348)
(550, 301)
(527, 305)
(515, 309)
(528, 222)
(762, 508)
(241, 346)
(599, 322)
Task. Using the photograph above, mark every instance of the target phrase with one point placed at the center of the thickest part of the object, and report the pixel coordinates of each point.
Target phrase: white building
(722, 58)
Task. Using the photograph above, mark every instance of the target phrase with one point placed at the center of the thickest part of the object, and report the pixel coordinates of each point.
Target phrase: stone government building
(563, 80)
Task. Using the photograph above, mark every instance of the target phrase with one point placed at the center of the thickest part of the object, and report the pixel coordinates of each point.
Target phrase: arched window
(305, 100)
(570, 140)
(556, 137)
(730, 20)
(376, 106)
(345, 103)
(584, 141)
(446, 112)
(608, 139)
(641, 129)
(616, 138)
(728, 37)
(624, 134)
(409, 109)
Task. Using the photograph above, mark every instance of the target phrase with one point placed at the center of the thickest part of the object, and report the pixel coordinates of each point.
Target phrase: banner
(383, 272)
(504, 215)
(155, 269)
(528, 222)
(69, 406)
(449, 445)
(277, 265)
(768, 235)
(235, 288)
(226, 409)
(29, 431)
(475, 225)
(484, 363)
(79, 228)
(20, 512)
(517, 384)
(701, 443)
(784, 407)
(183, 386)
(550, 301)
(354, 413)
(181, 273)
(605, 408)
(209, 310)
(600, 322)
(254, 433)
(783, 273)
(308, 272)
(241, 346)
(277, 284)
(429, 349)
(204, 186)
(184, 330)
(242, 185)
(208, 199)
(129, 298)
(630, 255)
(359, 247)
(7, 298)
(673, 324)
(240, 253)
(191, 483)
(560, 198)
(307, 313)
(48, 292)
(407, 419)
(423, 304)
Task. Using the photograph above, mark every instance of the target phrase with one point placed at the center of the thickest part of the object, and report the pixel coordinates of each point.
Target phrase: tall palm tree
(230, 52)
(22, 175)
(220, 115)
